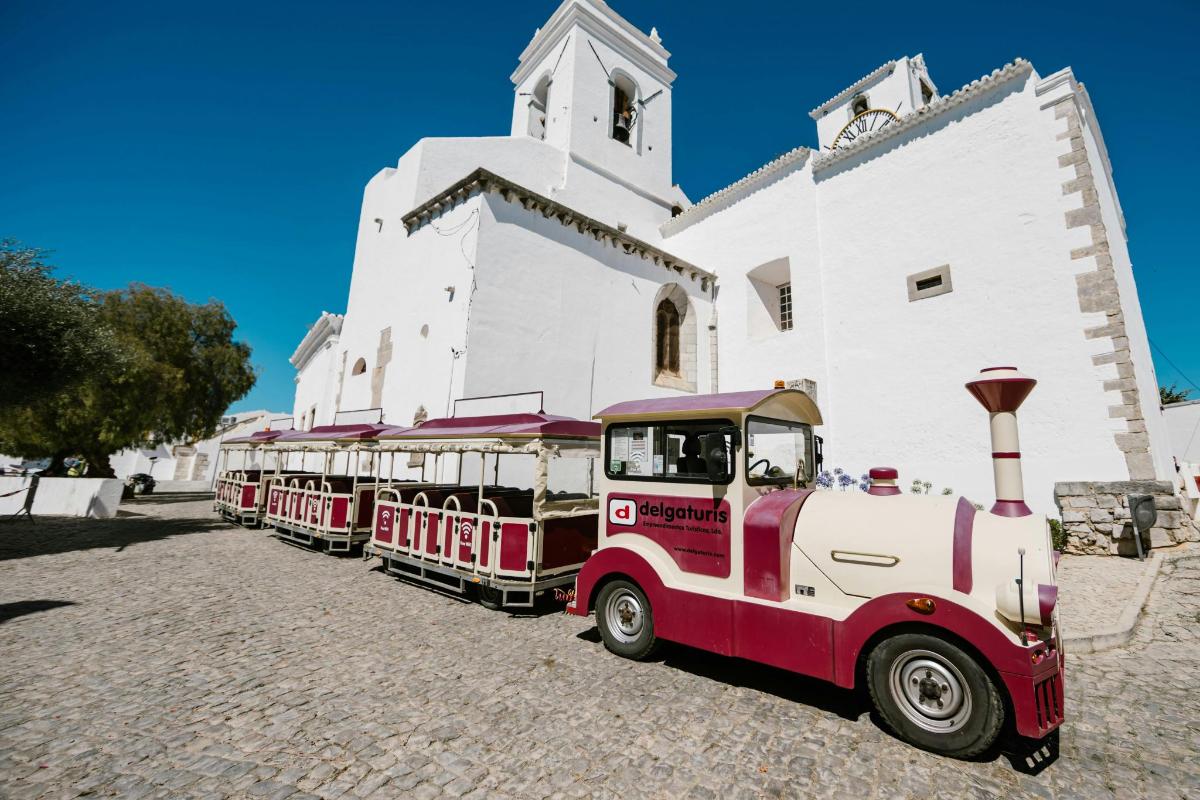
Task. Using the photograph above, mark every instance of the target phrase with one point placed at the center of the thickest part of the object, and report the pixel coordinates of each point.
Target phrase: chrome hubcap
(930, 691)
(625, 616)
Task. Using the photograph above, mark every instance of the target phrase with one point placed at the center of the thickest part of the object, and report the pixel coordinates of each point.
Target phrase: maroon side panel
(782, 638)
(432, 523)
(418, 529)
(466, 538)
(568, 540)
(694, 531)
(514, 546)
(769, 526)
(273, 503)
(247, 499)
(402, 515)
(964, 527)
(385, 523)
(339, 513)
(485, 542)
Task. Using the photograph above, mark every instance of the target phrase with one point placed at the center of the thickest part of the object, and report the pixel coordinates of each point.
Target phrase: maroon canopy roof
(498, 426)
(328, 433)
(731, 401)
(258, 437)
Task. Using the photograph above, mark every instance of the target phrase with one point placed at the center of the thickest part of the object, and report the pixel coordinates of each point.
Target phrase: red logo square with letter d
(621, 511)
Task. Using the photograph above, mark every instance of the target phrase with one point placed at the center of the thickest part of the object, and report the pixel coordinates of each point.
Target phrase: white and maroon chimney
(1001, 390)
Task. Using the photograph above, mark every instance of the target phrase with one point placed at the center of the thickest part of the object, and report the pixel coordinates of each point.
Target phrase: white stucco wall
(778, 221)
(560, 311)
(979, 189)
(1183, 427)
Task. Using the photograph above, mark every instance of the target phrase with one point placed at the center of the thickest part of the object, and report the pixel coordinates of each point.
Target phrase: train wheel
(934, 695)
(490, 597)
(626, 621)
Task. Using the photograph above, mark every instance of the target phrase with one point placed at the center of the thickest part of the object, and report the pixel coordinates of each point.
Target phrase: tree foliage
(1171, 394)
(179, 369)
(49, 334)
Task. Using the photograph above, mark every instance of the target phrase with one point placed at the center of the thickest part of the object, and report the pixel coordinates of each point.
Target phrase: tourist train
(694, 520)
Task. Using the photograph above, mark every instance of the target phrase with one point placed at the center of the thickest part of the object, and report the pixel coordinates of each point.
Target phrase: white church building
(919, 236)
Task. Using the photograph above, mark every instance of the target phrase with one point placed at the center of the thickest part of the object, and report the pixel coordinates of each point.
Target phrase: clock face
(871, 120)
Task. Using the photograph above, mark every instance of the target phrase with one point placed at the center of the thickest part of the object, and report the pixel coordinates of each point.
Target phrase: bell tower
(591, 84)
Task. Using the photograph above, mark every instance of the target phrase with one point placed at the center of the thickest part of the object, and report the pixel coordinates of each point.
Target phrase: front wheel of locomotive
(934, 695)
(625, 620)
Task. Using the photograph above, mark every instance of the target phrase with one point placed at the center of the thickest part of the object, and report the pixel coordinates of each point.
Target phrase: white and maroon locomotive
(710, 537)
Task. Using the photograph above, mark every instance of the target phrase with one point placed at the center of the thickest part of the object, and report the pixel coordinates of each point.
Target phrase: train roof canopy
(258, 437)
(356, 432)
(793, 401)
(498, 426)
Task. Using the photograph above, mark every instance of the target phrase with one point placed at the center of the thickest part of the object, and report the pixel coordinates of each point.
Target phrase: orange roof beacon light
(1001, 390)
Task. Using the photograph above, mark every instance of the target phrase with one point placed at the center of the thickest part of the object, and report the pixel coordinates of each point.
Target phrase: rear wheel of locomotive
(934, 695)
(626, 620)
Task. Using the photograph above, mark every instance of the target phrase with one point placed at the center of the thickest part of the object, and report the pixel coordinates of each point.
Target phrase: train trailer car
(239, 494)
(519, 519)
(712, 537)
(328, 501)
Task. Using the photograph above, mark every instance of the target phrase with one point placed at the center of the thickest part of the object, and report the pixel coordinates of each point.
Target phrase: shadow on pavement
(55, 535)
(9, 611)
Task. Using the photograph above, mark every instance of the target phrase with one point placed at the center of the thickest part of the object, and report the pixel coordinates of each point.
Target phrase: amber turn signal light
(921, 605)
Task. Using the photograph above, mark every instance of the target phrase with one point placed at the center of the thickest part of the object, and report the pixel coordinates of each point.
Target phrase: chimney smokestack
(1001, 390)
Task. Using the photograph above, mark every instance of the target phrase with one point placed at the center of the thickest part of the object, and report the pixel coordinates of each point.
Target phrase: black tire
(626, 620)
(490, 597)
(934, 695)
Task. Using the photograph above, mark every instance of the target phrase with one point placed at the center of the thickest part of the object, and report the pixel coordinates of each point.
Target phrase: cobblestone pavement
(1093, 591)
(174, 656)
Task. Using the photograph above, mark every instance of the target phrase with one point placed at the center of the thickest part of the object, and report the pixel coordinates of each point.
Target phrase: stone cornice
(328, 326)
(596, 18)
(734, 192)
(1018, 67)
(846, 93)
(482, 180)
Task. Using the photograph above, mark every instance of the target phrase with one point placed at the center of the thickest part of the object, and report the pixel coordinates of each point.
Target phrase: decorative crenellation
(1016, 68)
(845, 94)
(1097, 521)
(482, 180)
(734, 192)
(1098, 293)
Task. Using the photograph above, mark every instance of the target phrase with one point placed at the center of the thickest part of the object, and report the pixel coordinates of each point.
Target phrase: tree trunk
(56, 465)
(99, 466)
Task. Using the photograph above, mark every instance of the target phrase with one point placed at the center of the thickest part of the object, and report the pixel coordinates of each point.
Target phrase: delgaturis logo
(621, 511)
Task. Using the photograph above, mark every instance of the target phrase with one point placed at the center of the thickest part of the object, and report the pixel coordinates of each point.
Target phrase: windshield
(777, 451)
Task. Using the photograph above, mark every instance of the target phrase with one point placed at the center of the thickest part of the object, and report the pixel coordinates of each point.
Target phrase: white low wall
(64, 497)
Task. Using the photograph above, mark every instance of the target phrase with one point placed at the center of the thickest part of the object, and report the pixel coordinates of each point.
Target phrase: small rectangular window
(661, 451)
(785, 307)
(929, 283)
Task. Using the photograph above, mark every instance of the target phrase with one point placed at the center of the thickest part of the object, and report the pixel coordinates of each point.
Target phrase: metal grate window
(785, 307)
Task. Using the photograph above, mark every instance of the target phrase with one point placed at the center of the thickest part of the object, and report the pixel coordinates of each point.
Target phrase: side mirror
(716, 457)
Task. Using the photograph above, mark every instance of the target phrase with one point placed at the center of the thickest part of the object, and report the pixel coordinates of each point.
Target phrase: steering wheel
(761, 461)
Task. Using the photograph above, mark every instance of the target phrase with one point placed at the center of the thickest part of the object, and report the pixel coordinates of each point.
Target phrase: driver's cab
(680, 472)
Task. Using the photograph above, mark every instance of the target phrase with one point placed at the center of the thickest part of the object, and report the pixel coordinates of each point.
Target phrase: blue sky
(220, 149)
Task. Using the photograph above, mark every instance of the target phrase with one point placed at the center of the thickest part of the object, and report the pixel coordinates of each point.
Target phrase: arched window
(624, 118)
(539, 105)
(666, 338)
(860, 104)
(360, 367)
